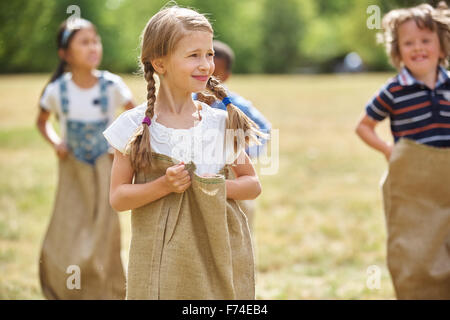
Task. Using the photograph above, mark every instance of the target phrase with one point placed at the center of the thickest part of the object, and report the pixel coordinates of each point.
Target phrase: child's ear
(159, 65)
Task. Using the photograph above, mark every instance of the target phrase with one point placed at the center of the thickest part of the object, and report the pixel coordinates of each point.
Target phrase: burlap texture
(190, 245)
(248, 207)
(416, 197)
(84, 231)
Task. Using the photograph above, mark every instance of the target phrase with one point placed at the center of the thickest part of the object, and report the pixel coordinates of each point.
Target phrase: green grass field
(319, 222)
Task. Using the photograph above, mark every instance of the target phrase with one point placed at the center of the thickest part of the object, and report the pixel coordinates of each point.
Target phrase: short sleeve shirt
(84, 104)
(204, 144)
(415, 111)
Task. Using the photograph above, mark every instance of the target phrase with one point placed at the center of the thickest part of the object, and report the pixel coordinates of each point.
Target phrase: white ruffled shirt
(204, 144)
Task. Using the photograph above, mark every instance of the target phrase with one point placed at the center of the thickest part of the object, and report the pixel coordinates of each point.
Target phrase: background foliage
(268, 36)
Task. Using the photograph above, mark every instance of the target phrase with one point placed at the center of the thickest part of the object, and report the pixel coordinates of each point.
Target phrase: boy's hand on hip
(177, 178)
(388, 151)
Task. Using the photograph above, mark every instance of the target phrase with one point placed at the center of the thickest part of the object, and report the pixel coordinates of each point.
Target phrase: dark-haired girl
(80, 257)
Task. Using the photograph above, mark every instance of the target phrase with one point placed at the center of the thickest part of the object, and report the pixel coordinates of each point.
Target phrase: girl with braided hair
(84, 231)
(180, 168)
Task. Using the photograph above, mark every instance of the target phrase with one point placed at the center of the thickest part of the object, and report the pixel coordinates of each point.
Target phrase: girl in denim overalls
(80, 257)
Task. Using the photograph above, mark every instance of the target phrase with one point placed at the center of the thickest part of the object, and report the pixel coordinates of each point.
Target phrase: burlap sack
(248, 207)
(193, 245)
(416, 197)
(84, 231)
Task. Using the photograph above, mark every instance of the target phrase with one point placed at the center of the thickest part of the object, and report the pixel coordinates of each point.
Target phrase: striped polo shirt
(415, 111)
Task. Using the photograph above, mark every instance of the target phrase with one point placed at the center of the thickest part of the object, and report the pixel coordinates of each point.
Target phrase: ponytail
(59, 70)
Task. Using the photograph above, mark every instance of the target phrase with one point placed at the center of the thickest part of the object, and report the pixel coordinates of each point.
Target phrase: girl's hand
(61, 150)
(177, 178)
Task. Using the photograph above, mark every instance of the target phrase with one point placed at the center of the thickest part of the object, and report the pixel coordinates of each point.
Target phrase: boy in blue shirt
(223, 59)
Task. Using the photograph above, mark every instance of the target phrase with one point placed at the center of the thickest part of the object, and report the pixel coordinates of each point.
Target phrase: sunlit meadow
(319, 223)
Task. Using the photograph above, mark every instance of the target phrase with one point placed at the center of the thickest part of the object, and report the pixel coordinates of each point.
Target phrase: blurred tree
(267, 36)
(23, 36)
(28, 32)
(282, 26)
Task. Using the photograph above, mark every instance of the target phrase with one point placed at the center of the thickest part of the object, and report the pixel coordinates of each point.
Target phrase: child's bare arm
(46, 128)
(246, 186)
(124, 195)
(48, 132)
(366, 131)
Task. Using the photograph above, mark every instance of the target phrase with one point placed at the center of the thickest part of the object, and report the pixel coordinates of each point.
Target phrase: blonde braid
(139, 145)
(151, 89)
(206, 98)
(237, 120)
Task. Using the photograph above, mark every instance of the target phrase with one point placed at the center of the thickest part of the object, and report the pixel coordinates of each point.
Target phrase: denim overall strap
(85, 138)
(103, 96)
(63, 94)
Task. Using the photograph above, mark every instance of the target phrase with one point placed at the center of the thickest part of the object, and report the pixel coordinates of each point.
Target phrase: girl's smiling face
(420, 49)
(85, 49)
(190, 65)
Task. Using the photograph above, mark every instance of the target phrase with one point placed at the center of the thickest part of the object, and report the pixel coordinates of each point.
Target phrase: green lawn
(319, 222)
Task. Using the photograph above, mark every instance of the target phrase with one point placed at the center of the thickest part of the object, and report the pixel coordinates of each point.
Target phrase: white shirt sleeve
(50, 100)
(122, 94)
(122, 129)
